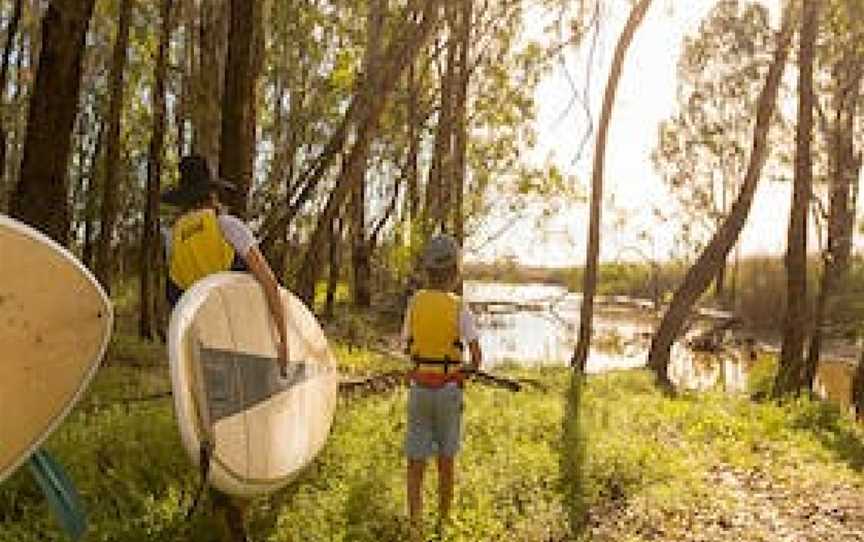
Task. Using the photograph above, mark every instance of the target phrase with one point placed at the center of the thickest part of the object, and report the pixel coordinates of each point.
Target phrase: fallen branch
(373, 384)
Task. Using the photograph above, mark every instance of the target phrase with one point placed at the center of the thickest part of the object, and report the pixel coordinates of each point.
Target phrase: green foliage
(761, 377)
(534, 466)
(703, 150)
(342, 294)
(634, 279)
(756, 289)
(127, 463)
(619, 277)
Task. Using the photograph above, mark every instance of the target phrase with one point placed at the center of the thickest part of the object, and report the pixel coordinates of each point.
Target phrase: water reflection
(537, 324)
(702, 371)
(834, 382)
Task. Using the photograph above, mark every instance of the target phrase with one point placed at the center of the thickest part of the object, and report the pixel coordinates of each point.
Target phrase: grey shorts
(434, 421)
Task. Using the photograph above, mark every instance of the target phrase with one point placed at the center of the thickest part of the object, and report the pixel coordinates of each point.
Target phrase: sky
(646, 95)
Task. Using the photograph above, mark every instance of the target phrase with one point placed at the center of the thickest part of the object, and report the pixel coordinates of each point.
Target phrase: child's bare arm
(260, 269)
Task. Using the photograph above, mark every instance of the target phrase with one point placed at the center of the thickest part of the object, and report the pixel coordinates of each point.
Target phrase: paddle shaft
(478, 374)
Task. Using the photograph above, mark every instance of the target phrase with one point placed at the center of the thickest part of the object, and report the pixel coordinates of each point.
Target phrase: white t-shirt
(237, 233)
(234, 230)
(467, 324)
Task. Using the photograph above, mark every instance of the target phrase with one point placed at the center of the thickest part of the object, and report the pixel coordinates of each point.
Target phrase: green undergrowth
(536, 465)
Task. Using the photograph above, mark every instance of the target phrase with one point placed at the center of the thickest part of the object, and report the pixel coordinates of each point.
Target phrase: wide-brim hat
(196, 182)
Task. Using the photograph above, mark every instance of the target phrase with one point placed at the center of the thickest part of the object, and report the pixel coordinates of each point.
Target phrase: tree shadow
(367, 511)
(834, 431)
(573, 457)
(265, 513)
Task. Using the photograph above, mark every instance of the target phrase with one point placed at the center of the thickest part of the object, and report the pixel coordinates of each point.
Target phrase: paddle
(478, 374)
(60, 492)
(488, 378)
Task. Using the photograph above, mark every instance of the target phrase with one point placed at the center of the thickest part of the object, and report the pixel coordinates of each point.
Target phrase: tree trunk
(11, 31)
(360, 249)
(292, 147)
(150, 236)
(438, 185)
(844, 170)
(182, 12)
(12, 145)
(210, 80)
(720, 284)
(112, 179)
(79, 186)
(389, 211)
(580, 355)
(334, 244)
(460, 141)
(790, 376)
(237, 150)
(92, 200)
(414, 135)
(699, 276)
(40, 198)
(401, 52)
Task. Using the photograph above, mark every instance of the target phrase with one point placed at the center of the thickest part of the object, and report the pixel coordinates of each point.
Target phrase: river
(537, 324)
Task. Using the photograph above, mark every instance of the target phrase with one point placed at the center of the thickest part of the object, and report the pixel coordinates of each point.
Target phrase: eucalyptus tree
(149, 251)
(701, 151)
(90, 138)
(699, 276)
(323, 105)
(791, 374)
(208, 78)
(21, 43)
(11, 31)
(592, 256)
(309, 56)
(40, 197)
(113, 175)
(374, 89)
(840, 57)
(438, 187)
(238, 139)
(360, 249)
(504, 71)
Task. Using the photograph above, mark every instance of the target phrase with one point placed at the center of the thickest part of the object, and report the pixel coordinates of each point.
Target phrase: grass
(565, 464)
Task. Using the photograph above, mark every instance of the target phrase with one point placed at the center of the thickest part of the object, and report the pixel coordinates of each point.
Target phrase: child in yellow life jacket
(203, 241)
(437, 327)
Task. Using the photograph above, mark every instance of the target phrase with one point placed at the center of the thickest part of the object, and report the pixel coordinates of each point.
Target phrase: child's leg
(419, 445)
(232, 513)
(449, 426)
(446, 466)
(415, 490)
(235, 514)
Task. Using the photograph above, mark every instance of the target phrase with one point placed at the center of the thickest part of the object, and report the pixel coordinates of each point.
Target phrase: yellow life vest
(198, 248)
(435, 345)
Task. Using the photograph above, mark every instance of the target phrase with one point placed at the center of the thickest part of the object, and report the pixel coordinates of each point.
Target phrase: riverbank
(627, 463)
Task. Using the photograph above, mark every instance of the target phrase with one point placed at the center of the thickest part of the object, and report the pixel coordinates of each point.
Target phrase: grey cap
(441, 251)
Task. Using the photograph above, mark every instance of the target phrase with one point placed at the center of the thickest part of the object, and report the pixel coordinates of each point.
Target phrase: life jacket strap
(434, 365)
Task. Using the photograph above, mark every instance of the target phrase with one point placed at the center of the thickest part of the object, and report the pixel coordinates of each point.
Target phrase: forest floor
(610, 459)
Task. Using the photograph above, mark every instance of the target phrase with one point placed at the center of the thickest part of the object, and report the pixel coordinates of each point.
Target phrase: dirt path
(747, 506)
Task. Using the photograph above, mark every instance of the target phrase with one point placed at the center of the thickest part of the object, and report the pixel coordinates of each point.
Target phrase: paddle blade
(60, 492)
